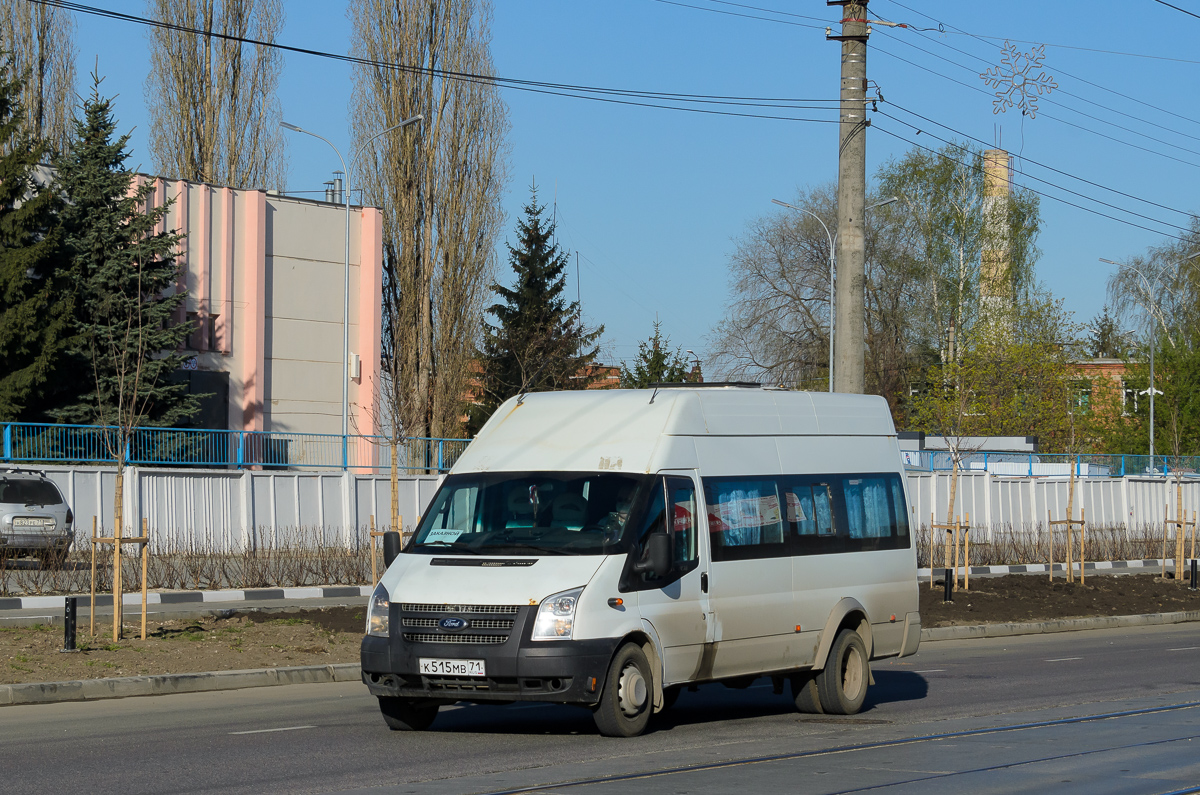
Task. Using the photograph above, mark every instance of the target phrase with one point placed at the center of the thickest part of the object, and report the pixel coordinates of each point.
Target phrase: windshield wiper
(535, 548)
(452, 544)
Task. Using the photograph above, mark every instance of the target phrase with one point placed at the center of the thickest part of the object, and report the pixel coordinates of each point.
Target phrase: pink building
(264, 276)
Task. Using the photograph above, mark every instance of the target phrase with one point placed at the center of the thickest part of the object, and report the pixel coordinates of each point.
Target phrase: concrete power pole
(850, 323)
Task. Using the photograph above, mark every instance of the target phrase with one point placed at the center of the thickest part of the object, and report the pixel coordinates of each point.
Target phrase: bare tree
(439, 186)
(777, 323)
(213, 108)
(40, 39)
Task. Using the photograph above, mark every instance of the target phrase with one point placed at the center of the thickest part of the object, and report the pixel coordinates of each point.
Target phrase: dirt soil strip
(1018, 598)
(243, 641)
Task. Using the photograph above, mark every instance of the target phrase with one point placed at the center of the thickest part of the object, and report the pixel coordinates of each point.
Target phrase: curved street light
(1149, 307)
(832, 242)
(346, 276)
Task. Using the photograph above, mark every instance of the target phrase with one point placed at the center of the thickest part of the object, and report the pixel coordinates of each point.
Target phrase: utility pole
(850, 324)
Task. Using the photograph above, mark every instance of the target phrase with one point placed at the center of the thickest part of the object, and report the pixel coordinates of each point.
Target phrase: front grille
(506, 610)
(421, 637)
(476, 623)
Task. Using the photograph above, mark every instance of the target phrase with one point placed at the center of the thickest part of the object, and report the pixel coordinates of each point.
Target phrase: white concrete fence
(223, 510)
(998, 503)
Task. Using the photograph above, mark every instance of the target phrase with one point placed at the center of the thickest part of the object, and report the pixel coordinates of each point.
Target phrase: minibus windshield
(529, 513)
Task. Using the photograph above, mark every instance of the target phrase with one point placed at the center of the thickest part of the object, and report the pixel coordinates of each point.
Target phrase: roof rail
(704, 384)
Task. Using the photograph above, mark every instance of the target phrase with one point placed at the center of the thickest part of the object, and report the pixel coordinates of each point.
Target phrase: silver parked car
(34, 517)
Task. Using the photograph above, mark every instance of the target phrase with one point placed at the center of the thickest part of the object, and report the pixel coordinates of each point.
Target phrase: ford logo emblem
(453, 624)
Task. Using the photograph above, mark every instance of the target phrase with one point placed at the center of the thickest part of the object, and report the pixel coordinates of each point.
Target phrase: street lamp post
(346, 274)
(832, 242)
(1150, 313)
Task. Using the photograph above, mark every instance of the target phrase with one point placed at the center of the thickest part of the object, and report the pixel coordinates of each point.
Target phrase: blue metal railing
(89, 444)
(1101, 465)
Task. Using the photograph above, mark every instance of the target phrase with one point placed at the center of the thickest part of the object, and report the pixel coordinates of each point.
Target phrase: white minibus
(607, 548)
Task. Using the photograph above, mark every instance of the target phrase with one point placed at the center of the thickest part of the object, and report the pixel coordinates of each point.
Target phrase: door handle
(704, 582)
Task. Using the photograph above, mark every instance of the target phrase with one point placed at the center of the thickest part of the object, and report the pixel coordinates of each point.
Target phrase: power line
(1058, 90)
(746, 16)
(1177, 8)
(1060, 104)
(980, 90)
(594, 93)
(960, 32)
(984, 39)
(1043, 165)
(1046, 115)
(1052, 197)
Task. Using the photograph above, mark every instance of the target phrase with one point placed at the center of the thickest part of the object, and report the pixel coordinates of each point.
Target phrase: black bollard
(1194, 582)
(69, 612)
(949, 583)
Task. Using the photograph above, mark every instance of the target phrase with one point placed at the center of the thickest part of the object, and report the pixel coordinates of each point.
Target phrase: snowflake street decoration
(1015, 82)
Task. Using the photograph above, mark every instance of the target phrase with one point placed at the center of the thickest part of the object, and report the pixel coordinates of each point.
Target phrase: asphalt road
(330, 738)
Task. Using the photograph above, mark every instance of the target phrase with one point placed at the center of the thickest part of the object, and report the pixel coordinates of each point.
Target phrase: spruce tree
(656, 363)
(539, 342)
(35, 299)
(125, 273)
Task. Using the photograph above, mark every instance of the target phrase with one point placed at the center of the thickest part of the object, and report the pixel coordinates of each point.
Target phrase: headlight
(377, 612)
(556, 616)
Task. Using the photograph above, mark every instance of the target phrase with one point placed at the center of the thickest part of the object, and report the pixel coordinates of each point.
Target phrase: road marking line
(283, 729)
(1064, 659)
(930, 671)
(1186, 648)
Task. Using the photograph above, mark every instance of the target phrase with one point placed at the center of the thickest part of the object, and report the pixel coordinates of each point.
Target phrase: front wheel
(407, 714)
(842, 684)
(627, 701)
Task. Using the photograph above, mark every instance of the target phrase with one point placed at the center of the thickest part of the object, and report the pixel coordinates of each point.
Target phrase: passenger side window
(900, 507)
(744, 519)
(868, 512)
(810, 509)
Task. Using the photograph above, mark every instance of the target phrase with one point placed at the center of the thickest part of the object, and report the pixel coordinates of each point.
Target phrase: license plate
(25, 521)
(440, 667)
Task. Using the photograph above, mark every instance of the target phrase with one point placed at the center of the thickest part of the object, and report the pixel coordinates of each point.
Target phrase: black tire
(628, 697)
(407, 714)
(804, 693)
(842, 684)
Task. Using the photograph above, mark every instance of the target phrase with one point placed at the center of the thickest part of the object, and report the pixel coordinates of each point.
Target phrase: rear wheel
(627, 700)
(842, 684)
(804, 693)
(407, 714)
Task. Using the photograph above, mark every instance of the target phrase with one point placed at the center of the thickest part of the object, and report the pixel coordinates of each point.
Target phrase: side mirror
(391, 547)
(656, 559)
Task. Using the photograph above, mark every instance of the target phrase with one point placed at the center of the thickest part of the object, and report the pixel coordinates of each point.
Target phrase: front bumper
(568, 672)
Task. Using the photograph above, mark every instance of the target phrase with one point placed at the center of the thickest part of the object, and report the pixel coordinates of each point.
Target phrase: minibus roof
(620, 429)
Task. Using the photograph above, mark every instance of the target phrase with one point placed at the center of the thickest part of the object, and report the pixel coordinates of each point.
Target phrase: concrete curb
(126, 686)
(1060, 625)
(134, 599)
(1097, 566)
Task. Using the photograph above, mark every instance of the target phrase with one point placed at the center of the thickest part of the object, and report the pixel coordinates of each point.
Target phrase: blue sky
(652, 200)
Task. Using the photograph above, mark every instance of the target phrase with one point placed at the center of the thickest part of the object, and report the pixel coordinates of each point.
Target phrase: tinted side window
(805, 515)
(875, 512)
(745, 519)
